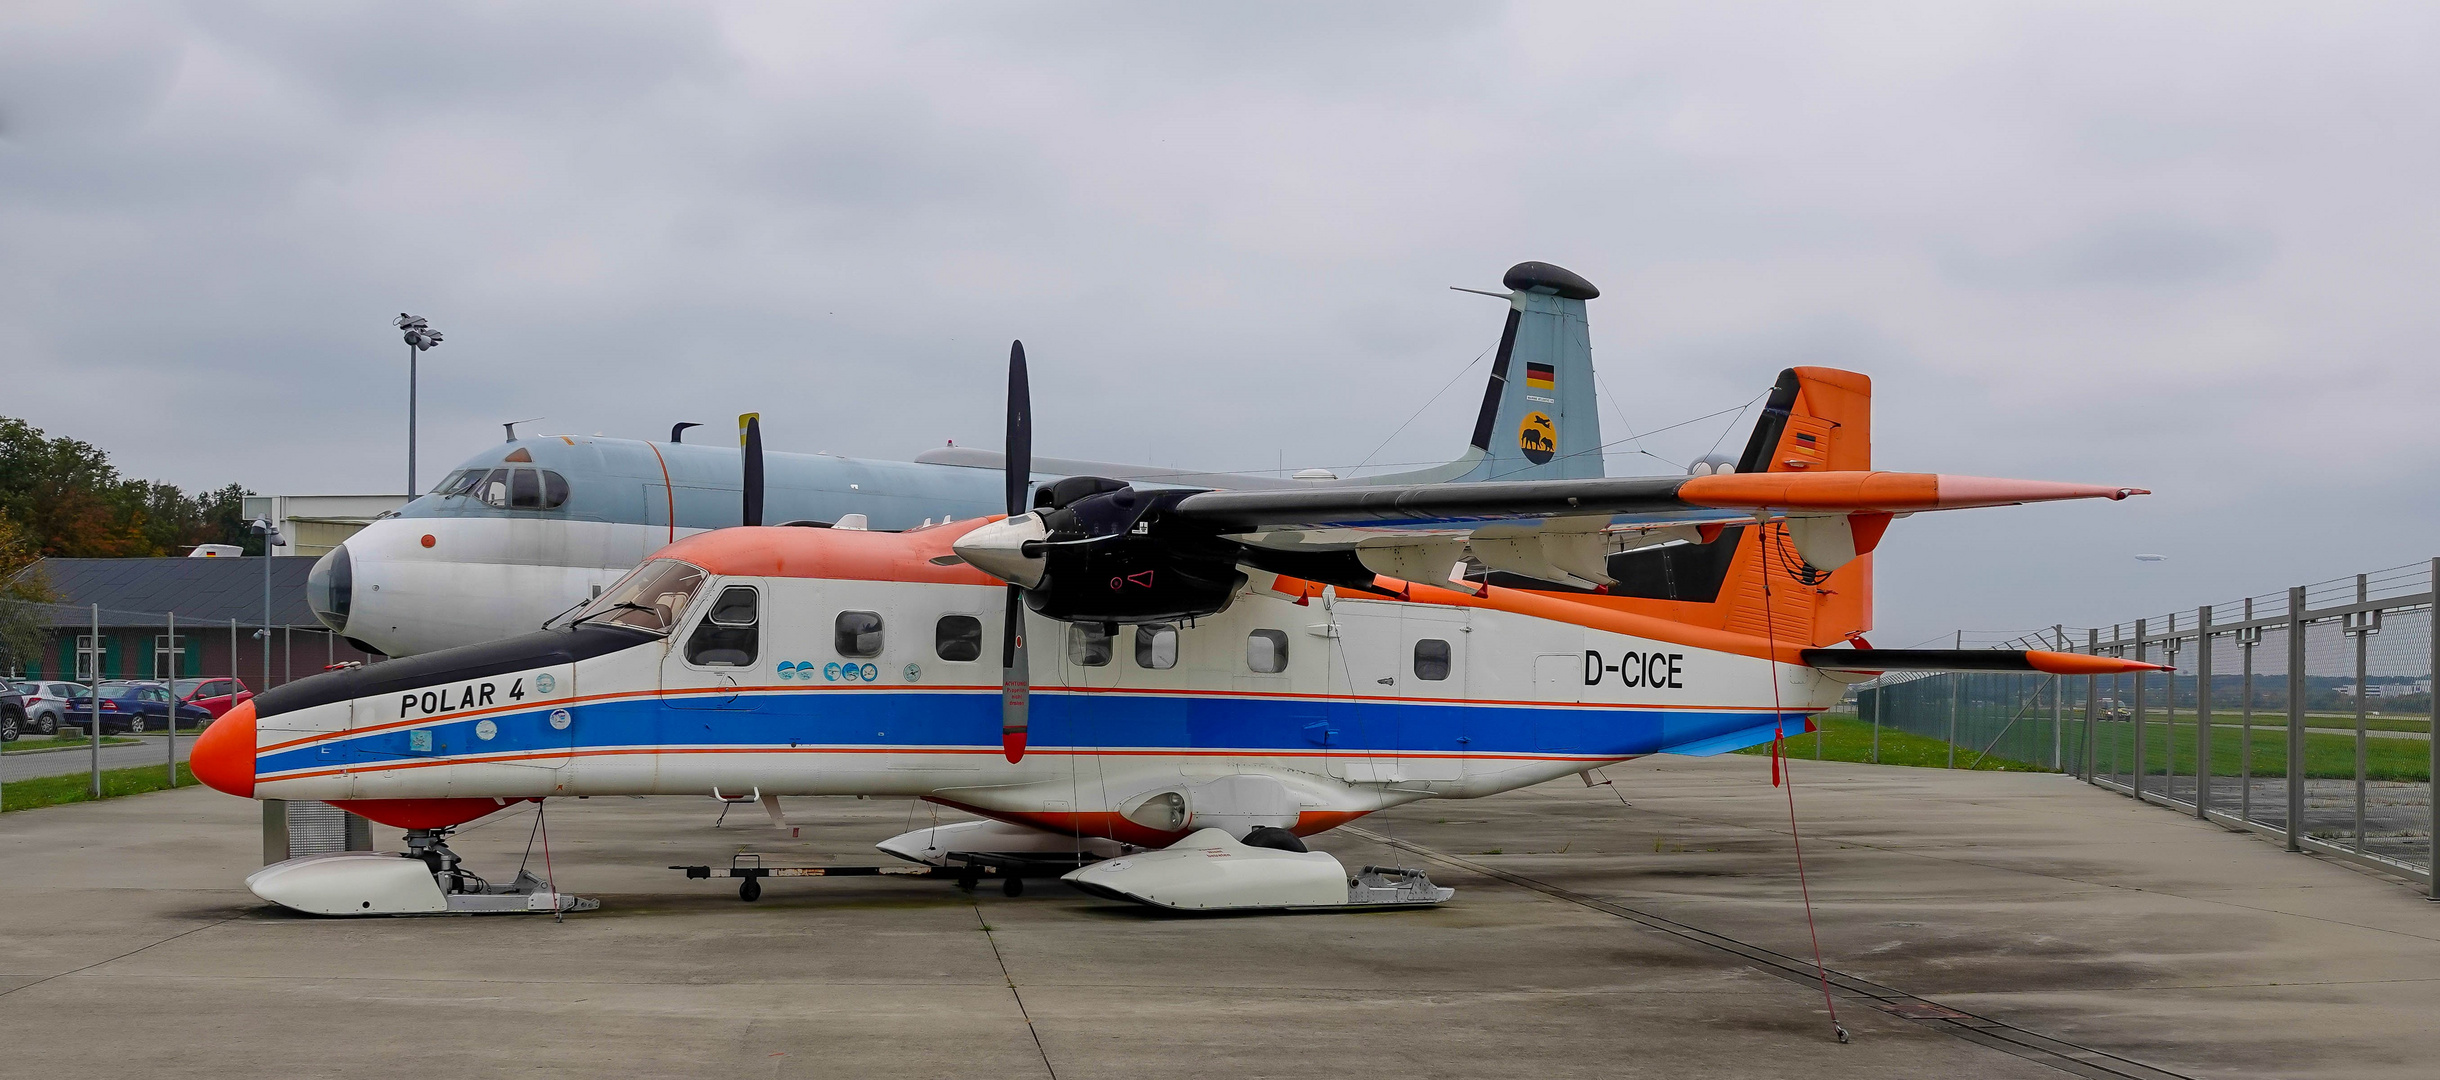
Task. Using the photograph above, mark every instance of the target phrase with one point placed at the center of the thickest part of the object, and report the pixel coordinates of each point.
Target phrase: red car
(213, 694)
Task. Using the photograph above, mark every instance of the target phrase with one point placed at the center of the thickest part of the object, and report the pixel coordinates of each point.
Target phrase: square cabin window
(1156, 646)
(1088, 644)
(958, 638)
(1266, 651)
(1431, 659)
(857, 633)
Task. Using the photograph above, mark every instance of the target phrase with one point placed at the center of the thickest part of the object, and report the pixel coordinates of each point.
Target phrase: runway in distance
(1189, 680)
(525, 530)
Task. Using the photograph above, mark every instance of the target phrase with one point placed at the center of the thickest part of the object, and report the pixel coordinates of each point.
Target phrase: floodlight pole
(412, 352)
(419, 336)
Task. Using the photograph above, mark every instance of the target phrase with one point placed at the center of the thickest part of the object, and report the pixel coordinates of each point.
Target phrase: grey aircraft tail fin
(1540, 418)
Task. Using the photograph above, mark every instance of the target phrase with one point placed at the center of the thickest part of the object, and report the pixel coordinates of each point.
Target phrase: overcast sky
(2190, 248)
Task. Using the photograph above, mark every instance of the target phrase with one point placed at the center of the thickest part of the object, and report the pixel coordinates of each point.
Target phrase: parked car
(212, 694)
(12, 712)
(46, 703)
(135, 707)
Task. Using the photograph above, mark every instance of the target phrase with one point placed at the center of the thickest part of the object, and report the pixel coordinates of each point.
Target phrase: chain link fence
(2303, 716)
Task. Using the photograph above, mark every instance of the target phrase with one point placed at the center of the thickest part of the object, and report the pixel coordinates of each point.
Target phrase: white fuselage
(1354, 721)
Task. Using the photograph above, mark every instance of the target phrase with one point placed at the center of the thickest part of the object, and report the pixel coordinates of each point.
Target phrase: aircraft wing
(1744, 494)
(1563, 531)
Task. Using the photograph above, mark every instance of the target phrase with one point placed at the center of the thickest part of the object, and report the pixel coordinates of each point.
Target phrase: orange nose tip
(224, 753)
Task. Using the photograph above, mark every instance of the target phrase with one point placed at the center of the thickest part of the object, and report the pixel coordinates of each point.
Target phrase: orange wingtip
(2060, 663)
(1890, 491)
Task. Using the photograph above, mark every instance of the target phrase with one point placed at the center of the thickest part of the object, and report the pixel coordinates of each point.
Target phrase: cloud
(2177, 246)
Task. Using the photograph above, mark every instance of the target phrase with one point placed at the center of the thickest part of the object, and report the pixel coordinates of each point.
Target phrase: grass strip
(2326, 757)
(61, 743)
(1847, 739)
(78, 787)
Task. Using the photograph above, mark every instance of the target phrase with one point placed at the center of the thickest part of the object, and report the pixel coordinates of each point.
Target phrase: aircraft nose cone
(224, 753)
(330, 589)
(998, 549)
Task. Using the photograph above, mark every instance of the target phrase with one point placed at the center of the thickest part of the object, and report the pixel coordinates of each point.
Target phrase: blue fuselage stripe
(921, 721)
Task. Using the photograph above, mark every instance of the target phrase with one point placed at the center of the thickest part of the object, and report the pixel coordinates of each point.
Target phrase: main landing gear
(428, 880)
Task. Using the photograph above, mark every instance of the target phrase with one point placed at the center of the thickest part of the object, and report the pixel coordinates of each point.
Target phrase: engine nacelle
(1108, 558)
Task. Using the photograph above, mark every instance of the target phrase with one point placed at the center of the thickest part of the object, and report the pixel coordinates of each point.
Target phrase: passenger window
(1266, 651)
(1431, 659)
(1156, 646)
(1088, 645)
(728, 636)
(958, 638)
(524, 489)
(857, 633)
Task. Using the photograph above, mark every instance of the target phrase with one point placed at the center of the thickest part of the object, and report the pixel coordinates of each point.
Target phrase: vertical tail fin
(1540, 418)
(1815, 420)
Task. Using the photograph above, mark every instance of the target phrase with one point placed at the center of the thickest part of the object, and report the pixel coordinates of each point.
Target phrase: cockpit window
(461, 482)
(649, 598)
(509, 488)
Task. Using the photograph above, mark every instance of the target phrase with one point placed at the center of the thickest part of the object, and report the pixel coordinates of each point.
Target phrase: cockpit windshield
(650, 598)
(508, 488)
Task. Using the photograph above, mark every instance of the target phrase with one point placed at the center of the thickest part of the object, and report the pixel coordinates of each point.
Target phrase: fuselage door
(1434, 730)
(1365, 688)
(714, 654)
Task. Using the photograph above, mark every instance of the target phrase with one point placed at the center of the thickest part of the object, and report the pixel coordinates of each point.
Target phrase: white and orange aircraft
(1213, 674)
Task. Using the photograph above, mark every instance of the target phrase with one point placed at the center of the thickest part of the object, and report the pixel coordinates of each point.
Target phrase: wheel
(750, 891)
(135, 725)
(1012, 885)
(8, 729)
(48, 724)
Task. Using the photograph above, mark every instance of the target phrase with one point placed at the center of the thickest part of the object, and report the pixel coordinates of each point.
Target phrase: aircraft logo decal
(1538, 438)
(836, 672)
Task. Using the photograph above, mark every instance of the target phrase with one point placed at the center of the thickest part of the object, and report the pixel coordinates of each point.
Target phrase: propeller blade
(1015, 679)
(1020, 457)
(749, 438)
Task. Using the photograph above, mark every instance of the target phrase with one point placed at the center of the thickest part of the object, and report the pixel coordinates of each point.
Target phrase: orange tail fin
(1816, 420)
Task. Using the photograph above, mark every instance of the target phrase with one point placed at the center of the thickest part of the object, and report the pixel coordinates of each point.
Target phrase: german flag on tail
(1540, 376)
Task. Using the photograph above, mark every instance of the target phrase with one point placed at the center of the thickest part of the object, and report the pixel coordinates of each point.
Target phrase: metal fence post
(2092, 703)
(93, 723)
(2431, 785)
(1956, 691)
(1880, 705)
(2058, 706)
(2135, 775)
(2246, 640)
(2295, 718)
(2202, 712)
(2360, 626)
(171, 678)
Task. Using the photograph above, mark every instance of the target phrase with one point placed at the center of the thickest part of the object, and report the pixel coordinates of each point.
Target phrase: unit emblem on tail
(1537, 438)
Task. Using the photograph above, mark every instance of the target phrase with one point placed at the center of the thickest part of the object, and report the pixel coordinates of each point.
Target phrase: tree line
(61, 498)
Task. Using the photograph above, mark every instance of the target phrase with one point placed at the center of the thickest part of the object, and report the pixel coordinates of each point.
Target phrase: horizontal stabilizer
(2052, 663)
